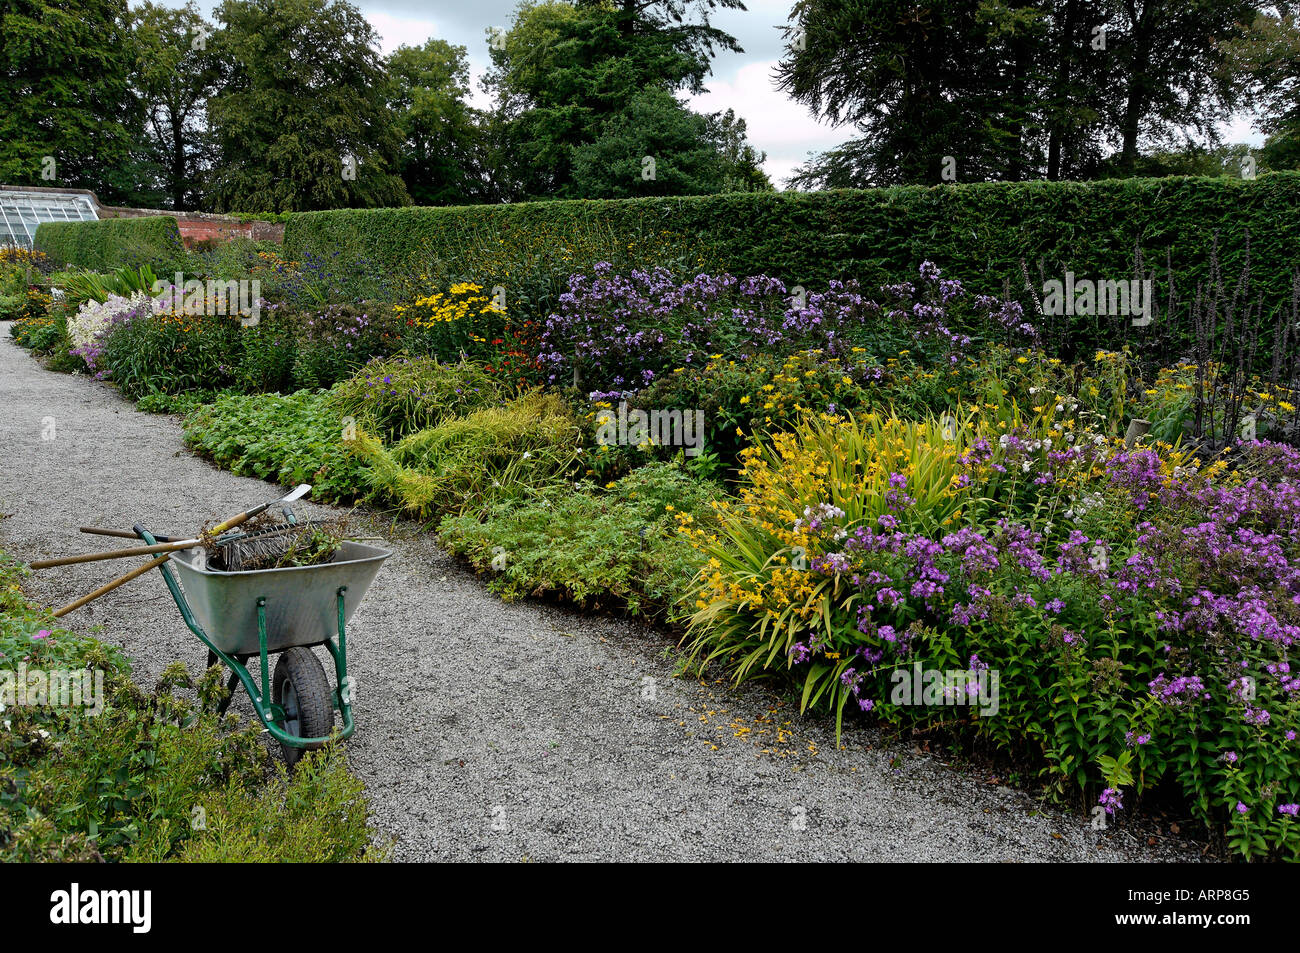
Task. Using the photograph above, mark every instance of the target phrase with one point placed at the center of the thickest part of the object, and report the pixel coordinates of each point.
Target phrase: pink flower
(43, 634)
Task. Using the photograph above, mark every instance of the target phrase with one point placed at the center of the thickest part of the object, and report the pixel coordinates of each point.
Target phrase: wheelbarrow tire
(301, 688)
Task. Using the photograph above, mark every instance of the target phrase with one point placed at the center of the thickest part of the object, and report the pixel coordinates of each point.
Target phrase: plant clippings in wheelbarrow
(273, 545)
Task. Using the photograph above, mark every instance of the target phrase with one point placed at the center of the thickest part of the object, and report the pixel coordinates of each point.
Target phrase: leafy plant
(296, 438)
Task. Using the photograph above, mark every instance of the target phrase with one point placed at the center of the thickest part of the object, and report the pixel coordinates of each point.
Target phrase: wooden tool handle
(122, 533)
(110, 586)
(114, 554)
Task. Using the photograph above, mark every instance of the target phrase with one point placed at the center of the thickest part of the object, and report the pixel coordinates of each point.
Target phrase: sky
(786, 131)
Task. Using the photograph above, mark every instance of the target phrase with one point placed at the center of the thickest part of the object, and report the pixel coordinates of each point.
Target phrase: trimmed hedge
(977, 232)
(113, 243)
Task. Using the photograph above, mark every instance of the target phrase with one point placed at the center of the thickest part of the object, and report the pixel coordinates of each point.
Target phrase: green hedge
(977, 232)
(113, 243)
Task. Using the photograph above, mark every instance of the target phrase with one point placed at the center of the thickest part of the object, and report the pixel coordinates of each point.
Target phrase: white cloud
(397, 31)
(782, 128)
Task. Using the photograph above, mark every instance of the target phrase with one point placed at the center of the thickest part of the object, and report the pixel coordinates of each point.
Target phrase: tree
(438, 130)
(301, 120)
(656, 146)
(68, 118)
(920, 81)
(740, 164)
(589, 90)
(1267, 58)
(174, 74)
(1170, 59)
(1009, 90)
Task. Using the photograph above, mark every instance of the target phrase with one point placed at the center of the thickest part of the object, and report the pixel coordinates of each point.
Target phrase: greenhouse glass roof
(21, 211)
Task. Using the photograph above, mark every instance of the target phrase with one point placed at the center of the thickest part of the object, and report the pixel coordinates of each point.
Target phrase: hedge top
(979, 232)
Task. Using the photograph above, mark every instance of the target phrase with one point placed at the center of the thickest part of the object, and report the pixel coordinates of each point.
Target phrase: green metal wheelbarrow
(286, 612)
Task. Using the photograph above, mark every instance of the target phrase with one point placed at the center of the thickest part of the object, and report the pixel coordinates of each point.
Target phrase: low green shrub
(11, 306)
(297, 438)
(392, 397)
(510, 452)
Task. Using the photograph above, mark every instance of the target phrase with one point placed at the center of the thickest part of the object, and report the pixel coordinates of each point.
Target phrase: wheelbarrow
(240, 616)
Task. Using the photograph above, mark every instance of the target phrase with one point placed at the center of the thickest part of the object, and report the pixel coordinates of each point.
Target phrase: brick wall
(204, 226)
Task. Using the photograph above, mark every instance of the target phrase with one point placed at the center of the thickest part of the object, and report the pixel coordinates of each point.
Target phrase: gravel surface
(502, 732)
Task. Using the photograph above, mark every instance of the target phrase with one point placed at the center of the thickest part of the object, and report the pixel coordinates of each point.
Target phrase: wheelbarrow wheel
(300, 687)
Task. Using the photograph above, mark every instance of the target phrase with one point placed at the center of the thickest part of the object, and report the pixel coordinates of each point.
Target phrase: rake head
(309, 543)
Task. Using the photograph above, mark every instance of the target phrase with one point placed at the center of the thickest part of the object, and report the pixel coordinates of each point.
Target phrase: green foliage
(316, 816)
(336, 339)
(64, 83)
(43, 335)
(171, 354)
(304, 89)
(591, 88)
(113, 243)
(1029, 89)
(438, 130)
(298, 438)
(617, 548)
(175, 72)
(11, 307)
(82, 286)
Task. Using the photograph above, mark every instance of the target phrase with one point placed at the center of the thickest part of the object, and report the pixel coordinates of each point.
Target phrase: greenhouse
(21, 210)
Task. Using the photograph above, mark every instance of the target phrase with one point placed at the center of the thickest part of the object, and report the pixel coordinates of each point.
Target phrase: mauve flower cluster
(624, 331)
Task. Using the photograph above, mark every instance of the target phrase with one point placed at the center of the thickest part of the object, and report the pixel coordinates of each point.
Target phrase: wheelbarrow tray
(301, 601)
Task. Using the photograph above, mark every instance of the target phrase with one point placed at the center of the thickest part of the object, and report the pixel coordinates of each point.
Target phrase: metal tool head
(301, 490)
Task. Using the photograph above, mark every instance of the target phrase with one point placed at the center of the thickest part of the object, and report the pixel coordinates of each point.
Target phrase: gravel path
(488, 731)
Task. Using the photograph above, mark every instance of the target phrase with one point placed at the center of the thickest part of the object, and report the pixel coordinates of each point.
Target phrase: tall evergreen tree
(590, 93)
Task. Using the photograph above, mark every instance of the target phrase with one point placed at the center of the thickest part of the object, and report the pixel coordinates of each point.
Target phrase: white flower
(1060, 407)
(527, 454)
(1047, 443)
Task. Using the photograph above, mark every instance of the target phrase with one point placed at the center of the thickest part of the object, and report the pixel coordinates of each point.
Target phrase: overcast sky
(787, 132)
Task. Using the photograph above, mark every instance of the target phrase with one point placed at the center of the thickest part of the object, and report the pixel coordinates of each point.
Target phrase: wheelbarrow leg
(231, 684)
